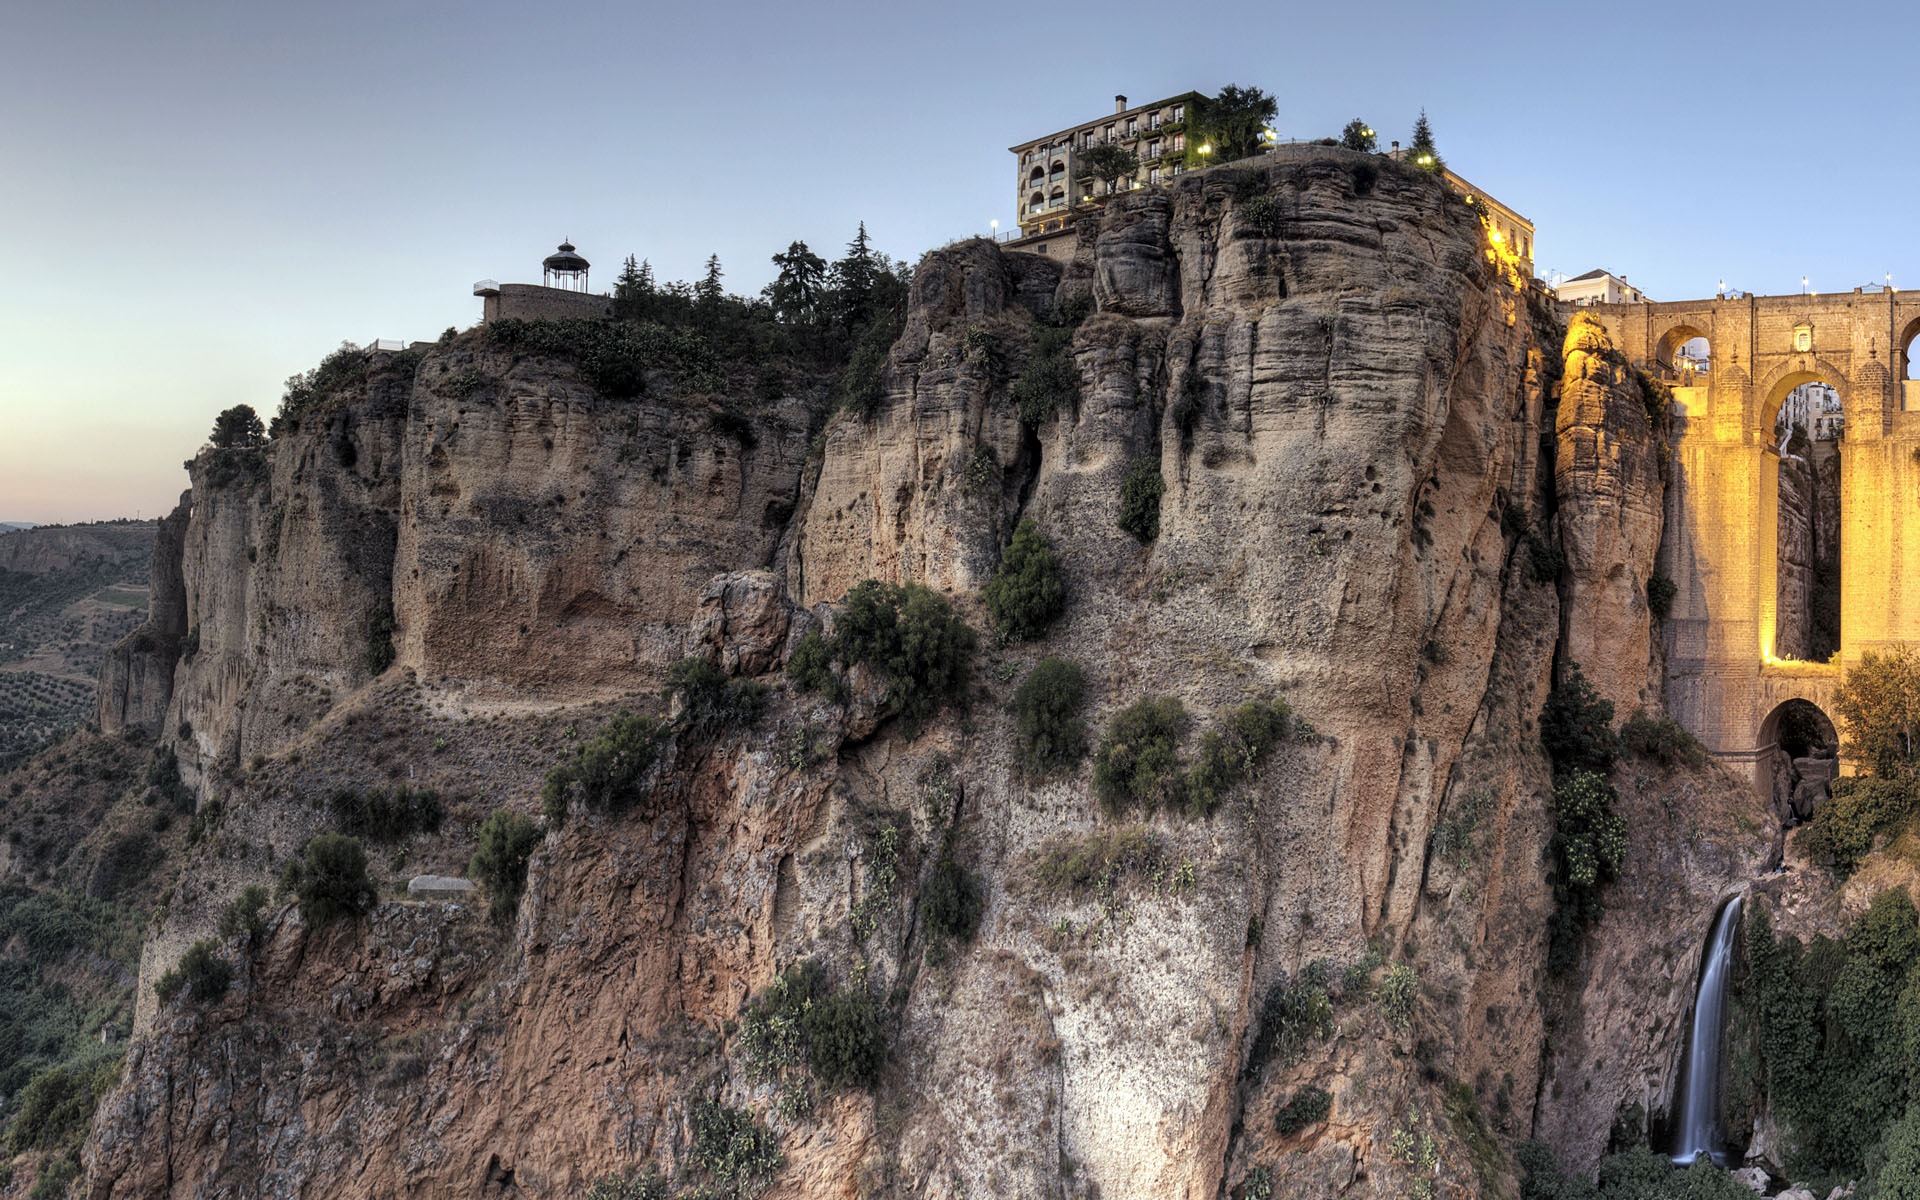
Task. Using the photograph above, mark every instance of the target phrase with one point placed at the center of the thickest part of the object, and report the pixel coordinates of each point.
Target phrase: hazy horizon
(205, 199)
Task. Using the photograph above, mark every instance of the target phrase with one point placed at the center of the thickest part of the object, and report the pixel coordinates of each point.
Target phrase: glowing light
(1206, 147)
(1495, 235)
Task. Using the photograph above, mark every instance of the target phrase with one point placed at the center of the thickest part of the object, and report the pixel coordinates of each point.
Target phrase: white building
(1599, 287)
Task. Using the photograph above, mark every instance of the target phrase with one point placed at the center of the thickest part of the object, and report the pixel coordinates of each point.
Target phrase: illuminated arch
(1680, 345)
(1783, 379)
(1909, 369)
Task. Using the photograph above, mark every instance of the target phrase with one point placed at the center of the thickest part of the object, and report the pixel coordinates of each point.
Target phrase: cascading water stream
(1696, 1108)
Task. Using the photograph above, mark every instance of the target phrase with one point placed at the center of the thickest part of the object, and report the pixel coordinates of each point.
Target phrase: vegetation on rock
(329, 878)
(1027, 592)
(202, 974)
(609, 772)
(709, 700)
(913, 639)
(505, 842)
(1047, 715)
(1140, 494)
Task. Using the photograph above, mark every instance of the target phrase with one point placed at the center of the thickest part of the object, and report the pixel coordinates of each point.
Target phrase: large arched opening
(1910, 372)
(1799, 759)
(1808, 428)
(1684, 357)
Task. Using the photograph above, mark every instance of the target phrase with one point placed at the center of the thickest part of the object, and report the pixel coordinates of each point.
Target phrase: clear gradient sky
(200, 199)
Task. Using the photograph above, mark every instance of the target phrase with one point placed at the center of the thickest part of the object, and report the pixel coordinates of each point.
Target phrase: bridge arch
(1798, 757)
(1909, 369)
(1782, 380)
(1679, 344)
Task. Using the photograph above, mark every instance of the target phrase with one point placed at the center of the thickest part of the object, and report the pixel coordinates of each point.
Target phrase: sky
(198, 200)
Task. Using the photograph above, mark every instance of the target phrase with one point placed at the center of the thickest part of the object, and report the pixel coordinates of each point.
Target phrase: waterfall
(1696, 1107)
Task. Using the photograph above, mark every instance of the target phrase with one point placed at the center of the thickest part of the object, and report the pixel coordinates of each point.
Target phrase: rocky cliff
(1334, 985)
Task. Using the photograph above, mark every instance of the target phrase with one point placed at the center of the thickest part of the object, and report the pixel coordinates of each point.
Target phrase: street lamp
(994, 226)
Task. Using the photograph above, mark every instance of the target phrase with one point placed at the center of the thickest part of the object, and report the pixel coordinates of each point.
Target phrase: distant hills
(10, 526)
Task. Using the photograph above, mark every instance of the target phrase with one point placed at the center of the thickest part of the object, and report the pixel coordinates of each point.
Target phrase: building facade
(1598, 287)
(1052, 174)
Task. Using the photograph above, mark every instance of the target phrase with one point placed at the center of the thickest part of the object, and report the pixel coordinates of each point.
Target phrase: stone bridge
(1724, 681)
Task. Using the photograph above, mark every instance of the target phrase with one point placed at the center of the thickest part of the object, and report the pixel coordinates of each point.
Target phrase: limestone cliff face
(136, 681)
(1608, 476)
(1345, 399)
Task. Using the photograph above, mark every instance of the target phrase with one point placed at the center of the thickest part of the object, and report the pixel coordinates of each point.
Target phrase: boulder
(741, 618)
(1752, 1177)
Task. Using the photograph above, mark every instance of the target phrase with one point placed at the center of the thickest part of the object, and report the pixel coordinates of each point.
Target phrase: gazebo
(565, 269)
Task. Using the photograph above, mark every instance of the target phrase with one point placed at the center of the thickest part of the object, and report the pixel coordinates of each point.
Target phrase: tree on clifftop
(1232, 123)
(796, 295)
(1422, 153)
(1110, 162)
(237, 428)
(1358, 135)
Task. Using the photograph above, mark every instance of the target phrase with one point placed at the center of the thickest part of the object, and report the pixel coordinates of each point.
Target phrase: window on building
(1802, 339)
(1179, 112)
(1153, 148)
(1153, 175)
(1179, 168)
(1133, 126)
(1179, 142)
(1110, 133)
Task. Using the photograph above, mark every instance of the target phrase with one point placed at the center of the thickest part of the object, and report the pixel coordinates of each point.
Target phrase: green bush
(1294, 1014)
(912, 637)
(951, 904)
(1399, 988)
(243, 918)
(1843, 829)
(1589, 844)
(1138, 760)
(1576, 727)
(56, 1178)
(606, 773)
(1229, 755)
(1264, 215)
(1660, 594)
(1140, 496)
(738, 1154)
(863, 389)
(329, 878)
(389, 814)
(54, 1109)
(202, 974)
(710, 700)
(1662, 739)
(499, 861)
(811, 668)
(1050, 382)
(801, 1017)
(1306, 1108)
(1027, 591)
(1878, 704)
(1047, 707)
(846, 1046)
(615, 358)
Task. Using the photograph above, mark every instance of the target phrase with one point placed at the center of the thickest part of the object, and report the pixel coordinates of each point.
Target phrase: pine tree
(633, 290)
(1422, 151)
(1358, 135)
(855, 278)
(796, 295)
(708, 292)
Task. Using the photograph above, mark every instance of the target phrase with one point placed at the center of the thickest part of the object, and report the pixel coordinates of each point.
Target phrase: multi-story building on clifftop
(1053, 178)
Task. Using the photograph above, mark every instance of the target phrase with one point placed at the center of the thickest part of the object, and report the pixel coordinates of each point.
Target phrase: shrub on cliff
(1231, 753)
(55, 1107)
(811, 668)
(1027, 592)
(386, 814)
(1576, 727)
(734, 1149)
(506, 841)
(343, 369)
(329, 878)
(846, 1046)
(1663, 739)
(1138, 761)
(710, 700)
(1304, 1109)
(1050, 381)
(912, 637)
(951, 904)
(802, 1017)
(607, 773)
(202, 974)
(243, 916)
(1047, 706)
(1140, 496)
(1589, 844)
(1843, 829)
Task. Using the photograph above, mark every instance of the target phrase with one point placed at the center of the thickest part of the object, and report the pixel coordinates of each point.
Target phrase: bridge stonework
(1724, 682)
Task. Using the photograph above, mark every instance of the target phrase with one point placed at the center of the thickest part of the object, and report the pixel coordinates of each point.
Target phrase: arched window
(1684, 357)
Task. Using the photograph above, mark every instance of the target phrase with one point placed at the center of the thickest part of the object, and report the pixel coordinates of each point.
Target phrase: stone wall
(532, 302)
